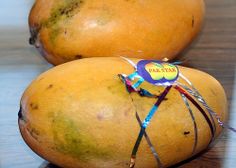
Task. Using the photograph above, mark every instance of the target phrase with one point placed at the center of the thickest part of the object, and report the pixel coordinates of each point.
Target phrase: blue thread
(133, 75)
(138, 83)
(136, 75)
(149, 116)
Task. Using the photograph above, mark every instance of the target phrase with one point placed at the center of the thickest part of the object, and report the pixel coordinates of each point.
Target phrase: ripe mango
(64, 30)
(80, 115)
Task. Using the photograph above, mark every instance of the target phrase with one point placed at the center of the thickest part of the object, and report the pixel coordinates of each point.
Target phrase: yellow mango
(80, 115)
(65, 30)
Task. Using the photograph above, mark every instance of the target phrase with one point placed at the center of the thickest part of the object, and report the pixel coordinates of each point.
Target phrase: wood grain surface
(214, 52)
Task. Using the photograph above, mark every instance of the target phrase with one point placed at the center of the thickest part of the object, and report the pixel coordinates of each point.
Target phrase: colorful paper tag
(158, 72)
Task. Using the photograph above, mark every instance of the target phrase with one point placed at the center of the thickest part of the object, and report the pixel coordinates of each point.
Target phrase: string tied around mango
(167, 75)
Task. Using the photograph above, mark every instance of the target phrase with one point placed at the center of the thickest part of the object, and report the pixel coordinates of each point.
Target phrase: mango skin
(65, 30)
(80, 115)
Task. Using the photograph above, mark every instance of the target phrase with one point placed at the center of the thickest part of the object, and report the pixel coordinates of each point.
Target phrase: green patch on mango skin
(69, 140)
(55, 31)
(105, 16)
(63, 11)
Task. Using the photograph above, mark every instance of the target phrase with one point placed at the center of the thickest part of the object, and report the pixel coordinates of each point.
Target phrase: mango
(65, 30)
(80, 115)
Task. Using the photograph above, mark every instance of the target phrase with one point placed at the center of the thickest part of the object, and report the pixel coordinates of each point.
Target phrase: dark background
(214, 52)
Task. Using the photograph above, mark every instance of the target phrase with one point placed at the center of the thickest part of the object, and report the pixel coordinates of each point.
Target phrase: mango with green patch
(85, 118)
(65, 30)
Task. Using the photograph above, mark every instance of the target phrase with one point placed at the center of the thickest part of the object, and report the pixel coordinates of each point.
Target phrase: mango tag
(158, 72)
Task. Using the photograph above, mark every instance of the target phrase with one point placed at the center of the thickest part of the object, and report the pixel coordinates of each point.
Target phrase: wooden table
(214, 52)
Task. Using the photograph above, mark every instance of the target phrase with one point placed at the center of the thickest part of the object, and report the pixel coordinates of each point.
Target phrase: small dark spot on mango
(34, 106)
(186, 132)
(65, 31)
(193, 21)
(50, 86)
(78, 56)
